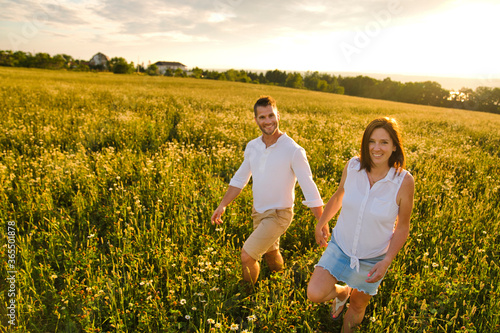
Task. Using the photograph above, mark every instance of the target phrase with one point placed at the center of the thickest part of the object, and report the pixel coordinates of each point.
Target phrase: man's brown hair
(264, 101)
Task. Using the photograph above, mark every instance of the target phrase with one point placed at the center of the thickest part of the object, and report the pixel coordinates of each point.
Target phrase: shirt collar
(390, 177)
(261, 142)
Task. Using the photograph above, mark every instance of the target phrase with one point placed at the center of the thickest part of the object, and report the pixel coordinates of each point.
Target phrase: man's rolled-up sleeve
(242, 176)
(302, 171)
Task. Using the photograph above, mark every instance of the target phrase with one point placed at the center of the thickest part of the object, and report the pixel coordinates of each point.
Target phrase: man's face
(267, 119)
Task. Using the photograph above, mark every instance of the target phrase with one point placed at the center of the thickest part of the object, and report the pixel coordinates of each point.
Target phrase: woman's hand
(322, 234)
(378, 271)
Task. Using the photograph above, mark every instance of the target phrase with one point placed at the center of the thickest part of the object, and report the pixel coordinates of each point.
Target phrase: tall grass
(111, 181)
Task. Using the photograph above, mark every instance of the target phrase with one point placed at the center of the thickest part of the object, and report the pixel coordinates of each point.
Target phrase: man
(275, 163)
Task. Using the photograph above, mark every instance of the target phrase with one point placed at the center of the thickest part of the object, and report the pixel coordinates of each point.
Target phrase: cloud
(223, 28)
(44, 11)
(312, 8)
(175, 36)
(203, 21)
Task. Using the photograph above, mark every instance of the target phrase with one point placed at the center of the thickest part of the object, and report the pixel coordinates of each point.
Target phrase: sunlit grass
(112, 181)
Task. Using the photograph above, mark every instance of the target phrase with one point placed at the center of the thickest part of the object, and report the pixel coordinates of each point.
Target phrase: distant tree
(180, 73)
(197, 73)
(244, 79)
(294, 80)
(169, 72)
(211, 75)
(242, 76)
(231, 75)
(153, 70)
(140, 68)
(460, 99)
(339, 90)
(322, 82)
(487, 99)
(411, 92)
(254, 77)
(21, 59)
(80, 66)
(58, 62)
(433, 94)
(323, 86)
(496, 99)
(119, 65)
(262, 78)
(357, 86)
(311, 80)
(336, 88)
(468, 99)
(67, 58)
(6, 58)
(41, 60)
(387, 89)
(276, 77)
(467, 92)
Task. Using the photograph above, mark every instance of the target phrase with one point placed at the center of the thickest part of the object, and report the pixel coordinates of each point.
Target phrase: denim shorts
(335, 261)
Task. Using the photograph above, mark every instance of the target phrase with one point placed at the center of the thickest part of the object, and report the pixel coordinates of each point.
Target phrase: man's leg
(274, 260)
(268, 227)
(250, 266)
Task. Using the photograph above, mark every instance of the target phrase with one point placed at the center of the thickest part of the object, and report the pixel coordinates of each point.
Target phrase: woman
(376, 194)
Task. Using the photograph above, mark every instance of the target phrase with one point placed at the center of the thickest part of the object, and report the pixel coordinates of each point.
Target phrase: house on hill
(173, 66)
(99, 61)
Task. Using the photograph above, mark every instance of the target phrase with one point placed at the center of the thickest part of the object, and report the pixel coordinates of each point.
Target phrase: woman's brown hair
(397, 159)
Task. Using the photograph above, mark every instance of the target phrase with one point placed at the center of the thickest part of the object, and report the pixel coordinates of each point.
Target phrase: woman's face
(380, 146)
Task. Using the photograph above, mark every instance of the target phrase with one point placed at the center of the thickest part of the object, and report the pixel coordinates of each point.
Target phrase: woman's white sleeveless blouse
(367, 219)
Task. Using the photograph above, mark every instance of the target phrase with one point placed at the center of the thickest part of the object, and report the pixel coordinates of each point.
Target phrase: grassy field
(108, 182)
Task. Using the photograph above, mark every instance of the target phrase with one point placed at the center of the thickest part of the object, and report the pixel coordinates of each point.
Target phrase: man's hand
(322, 235)
(216, 217)
(231, 193)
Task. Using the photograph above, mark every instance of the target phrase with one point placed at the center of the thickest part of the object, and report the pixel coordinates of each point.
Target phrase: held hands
(322, 234)
(378, 271)
(216, 217)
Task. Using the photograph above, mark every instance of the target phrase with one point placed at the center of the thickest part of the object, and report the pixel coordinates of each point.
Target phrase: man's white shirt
(274, 171)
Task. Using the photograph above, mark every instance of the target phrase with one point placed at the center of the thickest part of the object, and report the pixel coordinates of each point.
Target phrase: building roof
(168, 63)
(99, 54)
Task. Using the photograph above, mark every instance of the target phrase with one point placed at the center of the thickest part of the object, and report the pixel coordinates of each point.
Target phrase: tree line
(61, 61)
(425, 93)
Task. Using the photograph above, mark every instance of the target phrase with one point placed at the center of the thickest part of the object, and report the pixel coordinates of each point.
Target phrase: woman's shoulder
(354, 163)
(408, 181)
(409, 178)
(406, 190)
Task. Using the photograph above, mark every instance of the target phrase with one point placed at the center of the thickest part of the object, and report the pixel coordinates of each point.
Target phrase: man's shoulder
(254, 142)
(289, 142)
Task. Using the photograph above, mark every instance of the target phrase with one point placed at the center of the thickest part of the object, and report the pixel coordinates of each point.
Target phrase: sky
(447, 38)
